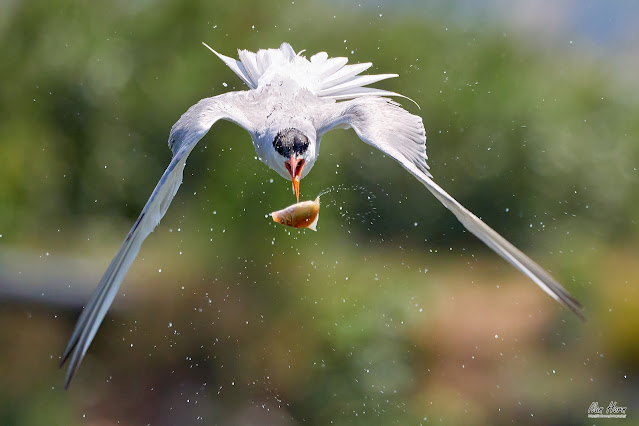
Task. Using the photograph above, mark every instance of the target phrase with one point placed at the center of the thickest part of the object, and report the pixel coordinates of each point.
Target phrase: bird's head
(295, 154)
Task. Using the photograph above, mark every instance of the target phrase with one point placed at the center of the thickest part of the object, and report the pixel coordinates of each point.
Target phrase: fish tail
(313, 224)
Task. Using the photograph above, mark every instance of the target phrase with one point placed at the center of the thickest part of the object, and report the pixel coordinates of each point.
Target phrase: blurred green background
(391, 313)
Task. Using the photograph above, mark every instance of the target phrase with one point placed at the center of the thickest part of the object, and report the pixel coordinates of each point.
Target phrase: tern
(291, 102)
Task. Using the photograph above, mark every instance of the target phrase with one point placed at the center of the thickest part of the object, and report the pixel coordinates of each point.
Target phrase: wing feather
(236, 66)
(249, 60)
(330, 66)
(352, 83)
(385, 125)
(185, 134)
(344, 74)
(325, 77)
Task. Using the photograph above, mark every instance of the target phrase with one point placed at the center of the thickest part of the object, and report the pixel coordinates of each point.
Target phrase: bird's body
(290, 104)
(265, 112)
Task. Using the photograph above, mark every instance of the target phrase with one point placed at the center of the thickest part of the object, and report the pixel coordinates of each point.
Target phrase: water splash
(330, 197)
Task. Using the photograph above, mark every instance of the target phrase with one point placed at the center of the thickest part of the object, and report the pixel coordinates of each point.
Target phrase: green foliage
(342, 326)
(95, 89)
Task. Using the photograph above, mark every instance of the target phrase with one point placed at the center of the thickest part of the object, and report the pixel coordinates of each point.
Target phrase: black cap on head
(289, 142)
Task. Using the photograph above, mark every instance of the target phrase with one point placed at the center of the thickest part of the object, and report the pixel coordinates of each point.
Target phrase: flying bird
(291, 102)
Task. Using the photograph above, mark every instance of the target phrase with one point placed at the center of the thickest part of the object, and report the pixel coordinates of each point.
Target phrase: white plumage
(324, 77)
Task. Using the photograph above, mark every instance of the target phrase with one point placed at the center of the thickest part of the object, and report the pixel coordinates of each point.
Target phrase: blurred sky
(610, 24)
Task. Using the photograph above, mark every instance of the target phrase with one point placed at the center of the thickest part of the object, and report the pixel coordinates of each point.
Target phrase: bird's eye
(281, 220)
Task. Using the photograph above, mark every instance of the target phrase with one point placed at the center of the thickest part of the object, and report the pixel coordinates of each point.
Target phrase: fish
(299, 215)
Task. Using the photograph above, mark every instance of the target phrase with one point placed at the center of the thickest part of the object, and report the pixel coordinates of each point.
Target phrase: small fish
(299, 215)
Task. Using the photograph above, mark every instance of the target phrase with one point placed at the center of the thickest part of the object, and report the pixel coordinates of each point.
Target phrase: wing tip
(73, 366)
(573, 305)
(210, 48)
(577, 310)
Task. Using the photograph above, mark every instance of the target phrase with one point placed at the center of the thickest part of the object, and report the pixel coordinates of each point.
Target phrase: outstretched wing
(381, 123)
(185, 134)
(385, 125)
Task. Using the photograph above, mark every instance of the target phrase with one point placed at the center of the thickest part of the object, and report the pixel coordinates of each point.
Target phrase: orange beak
(294, 167)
